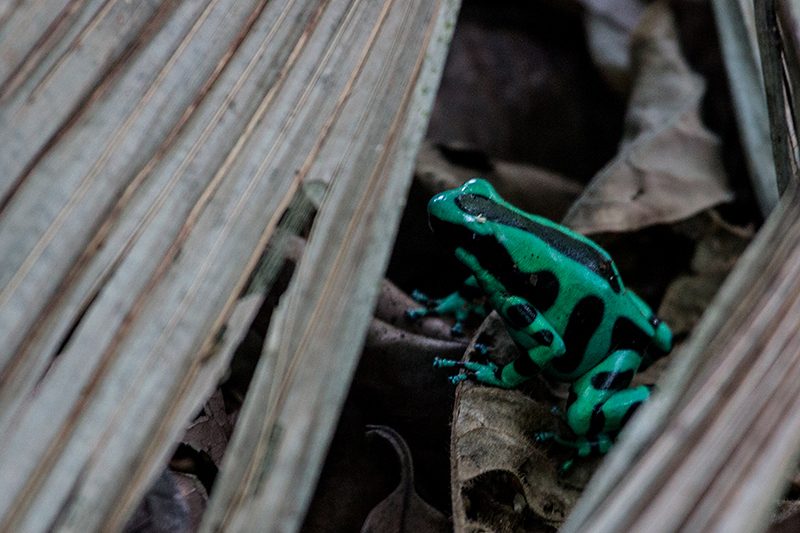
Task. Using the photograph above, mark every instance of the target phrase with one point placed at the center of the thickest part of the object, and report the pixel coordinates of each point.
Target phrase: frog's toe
(484, 373)
(481, 348)
(438, 362)
(458, 378)
(543, 436)
(458, 329)
(420, 296)
(416, 314)
(565, 467)
(452, 363)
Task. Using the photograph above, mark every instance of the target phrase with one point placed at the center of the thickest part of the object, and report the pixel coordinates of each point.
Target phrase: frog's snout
(438, 206)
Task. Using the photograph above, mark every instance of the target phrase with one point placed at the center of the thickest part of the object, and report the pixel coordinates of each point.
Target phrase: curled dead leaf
(403, 511)
(515, 182)
(503, 479)
(668, 167)
(396, 381)
(396, 385)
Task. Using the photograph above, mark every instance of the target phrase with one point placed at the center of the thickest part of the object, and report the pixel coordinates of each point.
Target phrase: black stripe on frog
(583, 322)
(543, 337)
(625, 335)
(585, 254)
(597, 421)
(540, 289)
(612, 381)
(521, 316)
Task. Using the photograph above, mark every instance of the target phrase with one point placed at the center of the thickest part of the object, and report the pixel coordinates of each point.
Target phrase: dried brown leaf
(395, 385)
(535, 190)
(554, 193)
(396, 369)
(403, 511)
(608, 36)
(668, 167)
(503, 479)
(196, 497)
(210, 430)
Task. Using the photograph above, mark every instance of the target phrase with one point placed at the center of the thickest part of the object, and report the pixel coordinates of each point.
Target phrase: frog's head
(457, 216)
(475, 218)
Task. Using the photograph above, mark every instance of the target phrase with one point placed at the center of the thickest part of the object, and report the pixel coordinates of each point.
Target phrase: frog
(564, 304)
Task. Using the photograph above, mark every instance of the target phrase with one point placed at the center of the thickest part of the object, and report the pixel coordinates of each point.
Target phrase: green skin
(563, 303)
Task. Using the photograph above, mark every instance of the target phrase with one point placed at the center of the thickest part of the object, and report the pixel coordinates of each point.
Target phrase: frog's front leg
(467, 300)
(531, 331)
(600, 402)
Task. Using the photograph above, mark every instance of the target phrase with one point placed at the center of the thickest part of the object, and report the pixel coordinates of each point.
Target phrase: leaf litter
(475, 449)
(669, 165)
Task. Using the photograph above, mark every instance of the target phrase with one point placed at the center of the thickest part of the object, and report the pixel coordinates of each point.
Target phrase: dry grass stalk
(149, 150)
(314, 340)
(736, 27)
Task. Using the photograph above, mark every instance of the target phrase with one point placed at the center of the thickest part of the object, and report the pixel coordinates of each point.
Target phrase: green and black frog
(563, 302)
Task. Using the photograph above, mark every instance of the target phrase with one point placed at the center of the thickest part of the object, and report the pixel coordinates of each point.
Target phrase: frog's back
(577, 287)
(558, 266)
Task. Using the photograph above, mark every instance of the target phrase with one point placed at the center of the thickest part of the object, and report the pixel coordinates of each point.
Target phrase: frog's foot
(583, 446)
(422, 312)
(481, 348)
(415, 314)
(461, 305)
(483, 373)
(421, 297)
(428, 310)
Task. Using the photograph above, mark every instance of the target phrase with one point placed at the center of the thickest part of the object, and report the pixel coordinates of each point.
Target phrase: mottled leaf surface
(668, 167)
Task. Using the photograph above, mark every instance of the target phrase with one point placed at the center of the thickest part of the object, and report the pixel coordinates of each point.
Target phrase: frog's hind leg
(532, 333)
(600, 401)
